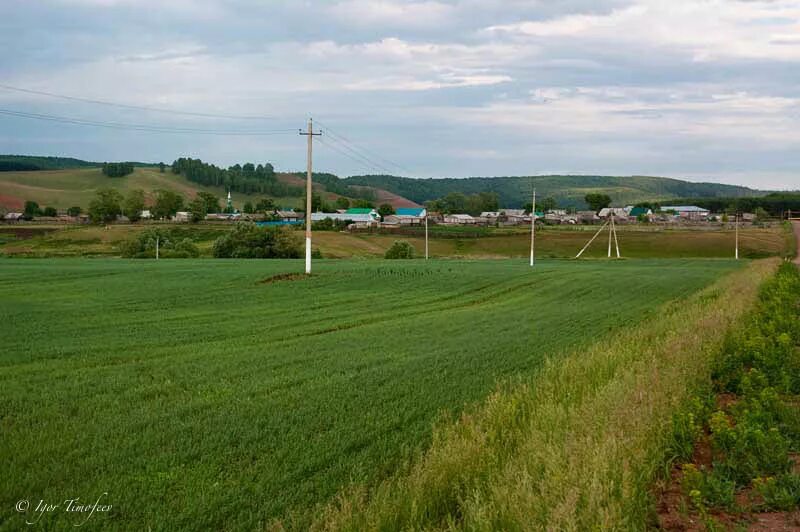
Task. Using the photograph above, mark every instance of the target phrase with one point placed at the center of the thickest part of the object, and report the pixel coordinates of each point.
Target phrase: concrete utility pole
(426, 234)
(310, 134)
(736, 224)
(533, 228)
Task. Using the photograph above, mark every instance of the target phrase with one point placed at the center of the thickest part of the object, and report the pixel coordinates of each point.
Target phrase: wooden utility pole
(310, 134)
(533, 228)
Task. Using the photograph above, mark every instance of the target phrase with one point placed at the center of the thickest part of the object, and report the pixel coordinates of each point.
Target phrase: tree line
(117, 169)
(245, 178)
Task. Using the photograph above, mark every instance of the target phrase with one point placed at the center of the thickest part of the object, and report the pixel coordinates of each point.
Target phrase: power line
(373, 165)
(344, 153)
(142, 127)
(366, 152)
(127, 106)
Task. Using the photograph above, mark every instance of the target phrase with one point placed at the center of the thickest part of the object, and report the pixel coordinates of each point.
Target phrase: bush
(249, 241)
(400, 250)
(143, 246)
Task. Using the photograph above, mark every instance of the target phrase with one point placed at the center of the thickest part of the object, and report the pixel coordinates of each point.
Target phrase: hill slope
(568, 190)
(66, 188)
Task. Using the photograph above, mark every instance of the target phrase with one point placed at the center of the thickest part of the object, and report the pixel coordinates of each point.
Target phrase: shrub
(400, 250)
(143, 246)
(780, 493)
(249, 241)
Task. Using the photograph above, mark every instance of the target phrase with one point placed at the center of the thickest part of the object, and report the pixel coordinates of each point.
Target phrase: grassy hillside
(201, 395)
(569, 190)
(9, 163)
(65, 188)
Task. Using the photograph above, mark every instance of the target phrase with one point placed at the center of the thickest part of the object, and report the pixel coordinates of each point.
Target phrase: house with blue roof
(411, 216)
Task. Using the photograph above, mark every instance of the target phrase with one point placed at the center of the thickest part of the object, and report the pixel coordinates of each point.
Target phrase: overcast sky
(705, 90)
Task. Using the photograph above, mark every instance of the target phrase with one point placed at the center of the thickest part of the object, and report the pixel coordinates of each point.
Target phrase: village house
(13, 217)
(514, 217)
(359, 217)
(459, 219)
(411, 216)
(489, 217)
(618, 212)
(181, 216)
(587, 217)
(289, 216)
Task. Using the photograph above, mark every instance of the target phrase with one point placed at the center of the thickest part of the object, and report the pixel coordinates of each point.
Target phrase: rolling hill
(65, 182)
(568, 190)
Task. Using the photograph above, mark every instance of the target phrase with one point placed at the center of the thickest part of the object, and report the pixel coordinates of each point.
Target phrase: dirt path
(797, 236)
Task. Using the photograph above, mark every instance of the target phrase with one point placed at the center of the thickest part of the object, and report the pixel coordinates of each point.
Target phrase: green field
(33, 240)
(205, 394)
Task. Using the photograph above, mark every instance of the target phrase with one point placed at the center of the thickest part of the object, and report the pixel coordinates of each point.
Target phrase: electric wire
(142, 127)
(128, 106)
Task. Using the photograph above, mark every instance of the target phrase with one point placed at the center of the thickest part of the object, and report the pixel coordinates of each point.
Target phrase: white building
(459, 219)
(691, 212)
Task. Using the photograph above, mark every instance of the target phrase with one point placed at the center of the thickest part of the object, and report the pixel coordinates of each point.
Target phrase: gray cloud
(707, 90)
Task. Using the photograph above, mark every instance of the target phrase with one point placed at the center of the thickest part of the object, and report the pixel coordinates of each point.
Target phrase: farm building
(391, 219)
(692, 212)
(13, 217)
(587, 216)
(408, 216)
(459, 219)
(146, 215)
(181, 216)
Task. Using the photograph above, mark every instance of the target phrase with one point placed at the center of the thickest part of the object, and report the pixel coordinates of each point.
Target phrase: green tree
(342, 203)
(133, 205)
(167, 204)
(548, 204)
(385, 209)
(248, 208)
(50, 212)
(106, 206)
(211, 202)
(162, 167)
(197, 209)
(400, 250)
(249, 241)
(265, 205)
(31, 209)
(74, 211)
(363, 204)
(597, 202)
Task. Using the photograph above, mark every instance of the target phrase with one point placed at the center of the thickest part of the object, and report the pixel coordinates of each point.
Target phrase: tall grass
(573, 448)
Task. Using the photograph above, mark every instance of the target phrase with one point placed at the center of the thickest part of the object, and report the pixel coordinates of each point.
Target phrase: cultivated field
(206, 394)
(68, 241)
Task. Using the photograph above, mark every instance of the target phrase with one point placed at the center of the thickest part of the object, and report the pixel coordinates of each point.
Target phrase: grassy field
(208, 395)
(66, 188)
(60, 241)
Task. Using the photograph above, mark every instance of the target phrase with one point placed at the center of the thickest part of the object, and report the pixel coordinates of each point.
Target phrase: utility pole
(736, 224)
(533, 228)
(157, 242)
(426, 234)
(310, 134)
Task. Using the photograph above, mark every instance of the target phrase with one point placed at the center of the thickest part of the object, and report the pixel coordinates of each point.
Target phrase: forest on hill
(568, 191)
